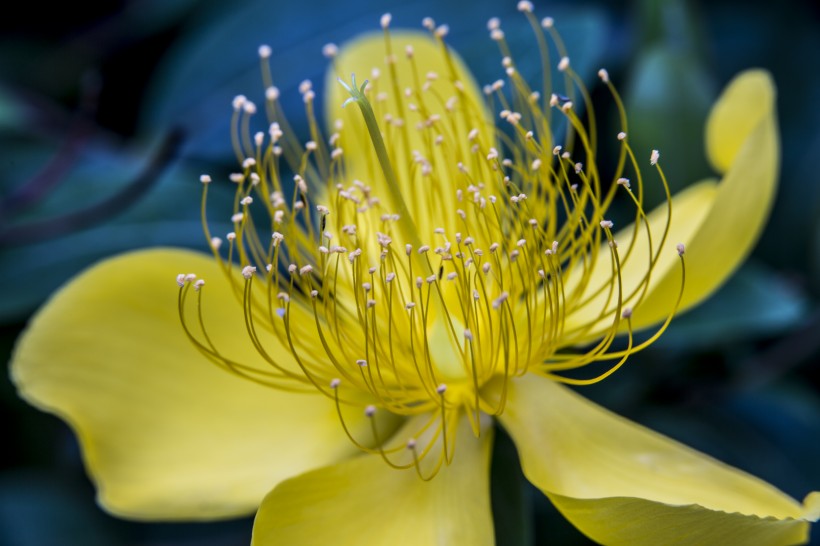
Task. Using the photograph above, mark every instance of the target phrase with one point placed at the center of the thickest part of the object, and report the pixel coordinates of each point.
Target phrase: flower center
(420, 252)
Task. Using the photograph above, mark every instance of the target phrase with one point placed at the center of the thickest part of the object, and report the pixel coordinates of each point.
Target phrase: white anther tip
(330, 50)
(525, 7)
(248, 271)
(563, 64)
(264, 51)
(681, 249)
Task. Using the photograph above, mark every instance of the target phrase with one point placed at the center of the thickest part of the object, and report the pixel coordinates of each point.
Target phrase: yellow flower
(427, 271)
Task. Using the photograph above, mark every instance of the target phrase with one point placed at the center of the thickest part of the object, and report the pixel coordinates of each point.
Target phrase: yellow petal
(641, 521)
(621, 483)
(364, 502)
(750, 151)
(402, 138)
(165, 433)
(745, 103)
(718, 227)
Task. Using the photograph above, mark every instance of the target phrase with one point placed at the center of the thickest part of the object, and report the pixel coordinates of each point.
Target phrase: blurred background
(110, 111)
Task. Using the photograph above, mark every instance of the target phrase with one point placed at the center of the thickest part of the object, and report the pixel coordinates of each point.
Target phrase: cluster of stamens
(458, 257)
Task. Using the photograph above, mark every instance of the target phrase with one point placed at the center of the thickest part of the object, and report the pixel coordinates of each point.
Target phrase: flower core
(421, 255)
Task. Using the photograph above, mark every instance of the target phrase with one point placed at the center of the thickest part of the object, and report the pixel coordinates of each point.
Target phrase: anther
(199, 284)
(607, 224)
(524, 6)
(334, 383)
(264, 51)
(248, 271)
(370, 411)
(330, 50)
(653, 159)
(181, 280)
(563, 64)
(361, 363)
(604, 75)
(385, 19)
(205, 179)
(681, 249)
(627, 313)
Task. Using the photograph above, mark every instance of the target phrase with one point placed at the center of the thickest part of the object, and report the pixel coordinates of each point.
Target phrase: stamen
(521, 236)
